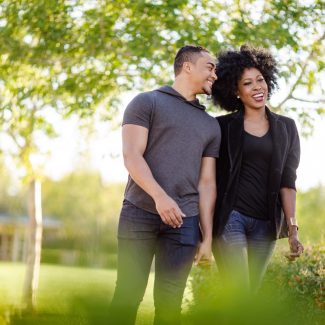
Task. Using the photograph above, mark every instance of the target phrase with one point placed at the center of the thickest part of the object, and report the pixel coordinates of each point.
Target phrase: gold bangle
(290, 232)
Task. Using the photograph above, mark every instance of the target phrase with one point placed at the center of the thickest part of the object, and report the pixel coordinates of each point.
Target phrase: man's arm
(208, 194)
(288, 199)
(134, 139)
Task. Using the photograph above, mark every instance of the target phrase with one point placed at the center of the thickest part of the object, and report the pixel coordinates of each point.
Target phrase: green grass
(66, 295)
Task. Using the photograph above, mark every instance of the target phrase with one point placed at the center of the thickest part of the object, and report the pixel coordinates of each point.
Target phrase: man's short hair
(188, 53)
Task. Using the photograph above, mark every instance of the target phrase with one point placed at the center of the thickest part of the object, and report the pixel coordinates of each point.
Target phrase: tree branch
(308, 100)
(14, 138)
(303, 68)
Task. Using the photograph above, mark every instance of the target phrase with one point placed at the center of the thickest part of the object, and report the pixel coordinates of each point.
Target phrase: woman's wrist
(292, 230)
(292, 226)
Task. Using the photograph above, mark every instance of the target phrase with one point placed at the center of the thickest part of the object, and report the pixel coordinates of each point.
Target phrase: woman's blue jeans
(141, 236)
(243, 251)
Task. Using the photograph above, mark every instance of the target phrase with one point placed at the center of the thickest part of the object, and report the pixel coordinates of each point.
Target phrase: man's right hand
(169, 211)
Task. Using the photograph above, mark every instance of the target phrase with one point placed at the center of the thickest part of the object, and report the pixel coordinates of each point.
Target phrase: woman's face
(252, 89)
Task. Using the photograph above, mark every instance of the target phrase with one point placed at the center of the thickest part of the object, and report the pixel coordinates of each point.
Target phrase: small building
(13, 236)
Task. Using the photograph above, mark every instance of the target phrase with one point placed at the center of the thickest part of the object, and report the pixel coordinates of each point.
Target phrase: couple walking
(199, 184)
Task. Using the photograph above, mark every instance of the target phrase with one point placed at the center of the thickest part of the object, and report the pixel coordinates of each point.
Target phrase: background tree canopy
(75, 54)
(72, 56)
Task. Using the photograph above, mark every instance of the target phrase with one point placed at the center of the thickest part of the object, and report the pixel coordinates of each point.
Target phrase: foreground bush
(292, 293)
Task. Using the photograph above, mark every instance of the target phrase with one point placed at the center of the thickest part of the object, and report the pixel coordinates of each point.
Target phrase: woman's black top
(253, 179)
(282, 171)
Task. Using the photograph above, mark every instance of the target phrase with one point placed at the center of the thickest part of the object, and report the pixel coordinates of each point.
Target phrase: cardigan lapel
(235, 132)
(280, 145)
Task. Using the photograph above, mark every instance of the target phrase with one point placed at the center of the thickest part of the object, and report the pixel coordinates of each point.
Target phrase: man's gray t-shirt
(180, 134)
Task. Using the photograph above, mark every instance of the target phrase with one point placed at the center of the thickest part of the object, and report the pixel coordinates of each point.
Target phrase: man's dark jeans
(141, 236)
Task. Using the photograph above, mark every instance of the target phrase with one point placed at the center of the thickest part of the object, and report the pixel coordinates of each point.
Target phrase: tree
(71, 56)
(87, 51)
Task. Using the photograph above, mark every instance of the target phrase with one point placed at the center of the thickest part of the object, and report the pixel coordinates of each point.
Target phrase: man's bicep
(134, 139)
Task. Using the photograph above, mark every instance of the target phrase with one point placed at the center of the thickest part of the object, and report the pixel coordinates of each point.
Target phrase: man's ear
(187, 67)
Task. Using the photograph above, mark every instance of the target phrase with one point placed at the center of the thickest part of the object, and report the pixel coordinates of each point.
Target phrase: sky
(103, 152)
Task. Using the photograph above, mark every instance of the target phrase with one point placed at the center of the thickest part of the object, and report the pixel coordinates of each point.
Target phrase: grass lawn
(66, 295)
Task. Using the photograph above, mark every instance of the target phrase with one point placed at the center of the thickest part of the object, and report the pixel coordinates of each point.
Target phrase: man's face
(203, 73)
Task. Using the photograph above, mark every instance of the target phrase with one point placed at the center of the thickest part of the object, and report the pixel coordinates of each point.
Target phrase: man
(170, 145)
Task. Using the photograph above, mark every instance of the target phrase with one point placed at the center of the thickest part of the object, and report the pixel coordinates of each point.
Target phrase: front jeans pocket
(190, 231)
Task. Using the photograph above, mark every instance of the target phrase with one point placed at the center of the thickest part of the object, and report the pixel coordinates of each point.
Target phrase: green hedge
(79, 258)
(292, 293)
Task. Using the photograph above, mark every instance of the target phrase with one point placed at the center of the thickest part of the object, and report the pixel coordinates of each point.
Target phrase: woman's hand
(296, 247)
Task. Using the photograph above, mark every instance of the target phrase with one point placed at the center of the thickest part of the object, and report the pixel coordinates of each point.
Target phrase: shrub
(292, 293)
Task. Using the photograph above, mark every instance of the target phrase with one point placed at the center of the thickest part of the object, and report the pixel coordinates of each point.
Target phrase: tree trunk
(34, 244)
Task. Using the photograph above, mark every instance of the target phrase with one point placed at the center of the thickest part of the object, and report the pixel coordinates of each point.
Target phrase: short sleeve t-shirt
(180, 134)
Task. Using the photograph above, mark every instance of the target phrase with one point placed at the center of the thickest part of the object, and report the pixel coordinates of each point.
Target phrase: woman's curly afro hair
(230, 67)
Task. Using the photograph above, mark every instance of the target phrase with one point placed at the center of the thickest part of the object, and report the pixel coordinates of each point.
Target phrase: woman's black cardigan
(284, 163)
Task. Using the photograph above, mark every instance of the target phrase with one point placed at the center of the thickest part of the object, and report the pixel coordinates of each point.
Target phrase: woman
(256, 171)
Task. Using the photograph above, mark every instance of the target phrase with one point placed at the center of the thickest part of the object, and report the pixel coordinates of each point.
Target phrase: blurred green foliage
(12, 200)
(89, 212)
(311, 214)
(75, 55)
(291, 293)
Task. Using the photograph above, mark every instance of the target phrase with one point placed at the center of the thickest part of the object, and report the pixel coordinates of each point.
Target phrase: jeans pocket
(190, 231)
(235, 223)
(233, 226)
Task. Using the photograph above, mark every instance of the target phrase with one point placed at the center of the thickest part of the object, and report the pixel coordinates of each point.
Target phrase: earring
(238, 97)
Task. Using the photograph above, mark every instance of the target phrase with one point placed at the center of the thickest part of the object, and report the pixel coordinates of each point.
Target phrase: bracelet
(292, 226)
